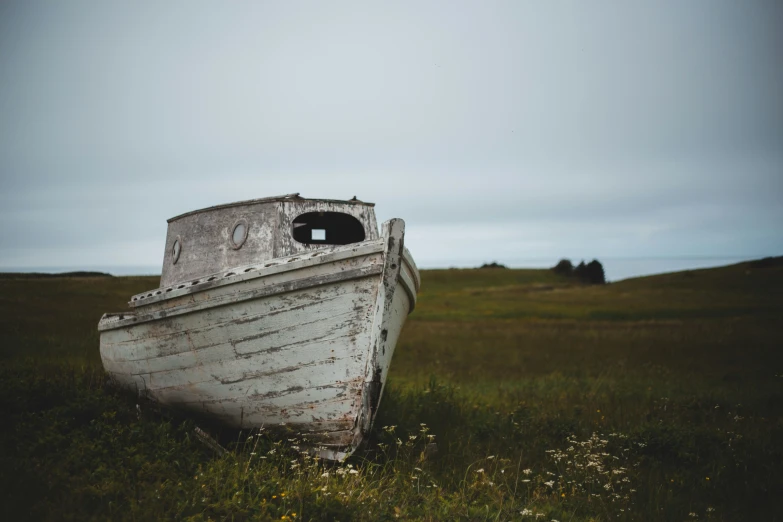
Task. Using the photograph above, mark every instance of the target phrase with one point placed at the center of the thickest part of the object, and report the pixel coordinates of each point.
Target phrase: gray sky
(497, 130)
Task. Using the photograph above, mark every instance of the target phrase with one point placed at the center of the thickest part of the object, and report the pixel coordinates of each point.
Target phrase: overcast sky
(497, 130)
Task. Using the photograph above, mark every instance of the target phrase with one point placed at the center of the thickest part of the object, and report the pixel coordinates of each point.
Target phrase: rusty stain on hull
(295, 336)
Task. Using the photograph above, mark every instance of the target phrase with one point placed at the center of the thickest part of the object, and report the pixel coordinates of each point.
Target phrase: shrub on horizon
(592, 272)
(493, 264)
(564, 267)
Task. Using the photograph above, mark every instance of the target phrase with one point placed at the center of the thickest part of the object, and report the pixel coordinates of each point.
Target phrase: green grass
(511, 373)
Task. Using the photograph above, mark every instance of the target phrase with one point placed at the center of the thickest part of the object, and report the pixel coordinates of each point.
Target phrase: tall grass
(513, 396)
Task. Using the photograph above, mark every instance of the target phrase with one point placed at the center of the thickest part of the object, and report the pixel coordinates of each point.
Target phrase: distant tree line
(43, 275)
(592, 272)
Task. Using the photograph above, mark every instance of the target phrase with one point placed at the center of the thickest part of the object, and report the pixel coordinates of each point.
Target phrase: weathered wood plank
(335, 303)
(401, 305)
(393, 234)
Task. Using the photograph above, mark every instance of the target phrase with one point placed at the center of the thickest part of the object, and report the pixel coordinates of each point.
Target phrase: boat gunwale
(257, 270)
(287, 264)
(407, 258)
(126, 319)
(272, 199)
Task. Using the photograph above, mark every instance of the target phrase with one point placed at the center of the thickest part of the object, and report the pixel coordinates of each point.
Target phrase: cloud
(646, 129)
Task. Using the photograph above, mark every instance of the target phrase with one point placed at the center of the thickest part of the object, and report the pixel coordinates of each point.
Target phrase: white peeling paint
(304, 342)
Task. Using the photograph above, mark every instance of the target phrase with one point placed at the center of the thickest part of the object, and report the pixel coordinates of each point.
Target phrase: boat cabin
(218, 238)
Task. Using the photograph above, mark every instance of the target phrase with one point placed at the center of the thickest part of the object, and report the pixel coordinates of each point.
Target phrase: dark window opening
(328, 228)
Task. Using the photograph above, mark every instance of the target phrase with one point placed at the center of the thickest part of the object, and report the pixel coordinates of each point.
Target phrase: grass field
(657, 398)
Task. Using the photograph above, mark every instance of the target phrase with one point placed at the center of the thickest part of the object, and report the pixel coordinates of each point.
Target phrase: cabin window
(239, 234)
(176, 249)
(328, 228)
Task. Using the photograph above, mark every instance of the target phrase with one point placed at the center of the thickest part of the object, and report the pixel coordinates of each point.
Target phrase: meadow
(513, 395)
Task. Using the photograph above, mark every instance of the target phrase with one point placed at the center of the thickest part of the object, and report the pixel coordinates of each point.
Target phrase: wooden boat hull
(300, 343)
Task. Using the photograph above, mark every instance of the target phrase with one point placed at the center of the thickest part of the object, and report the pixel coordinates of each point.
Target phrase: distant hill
(41, 275)
(766, 262)
(742, 289)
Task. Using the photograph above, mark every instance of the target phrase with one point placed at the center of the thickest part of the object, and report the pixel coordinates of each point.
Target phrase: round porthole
(176, 250)
(239, 234)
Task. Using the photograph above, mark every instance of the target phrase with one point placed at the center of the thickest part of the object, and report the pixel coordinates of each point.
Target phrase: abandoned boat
(270, 312)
